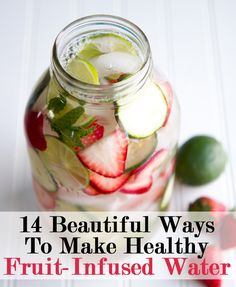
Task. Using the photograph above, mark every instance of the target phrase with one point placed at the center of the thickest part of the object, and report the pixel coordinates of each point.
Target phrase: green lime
(105, 43)
(64, 165)
(83, 71)
(40, 172)
(89, 51)
(200, 160)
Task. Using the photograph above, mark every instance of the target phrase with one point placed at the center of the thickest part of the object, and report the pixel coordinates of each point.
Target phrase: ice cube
(116, 63)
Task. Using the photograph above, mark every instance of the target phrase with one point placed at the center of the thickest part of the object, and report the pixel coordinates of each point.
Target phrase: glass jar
(102, 147)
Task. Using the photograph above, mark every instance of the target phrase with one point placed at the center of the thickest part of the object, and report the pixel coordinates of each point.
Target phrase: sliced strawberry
(141, 180)
(34, 129)
(46, 199)
(169, 95)
(92, 138)
(89, 190)
(107, 156)
(137, 184)
(106, 184)
(169, 170)
(153, 163)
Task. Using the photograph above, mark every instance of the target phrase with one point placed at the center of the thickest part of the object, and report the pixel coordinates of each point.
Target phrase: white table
(193, 42)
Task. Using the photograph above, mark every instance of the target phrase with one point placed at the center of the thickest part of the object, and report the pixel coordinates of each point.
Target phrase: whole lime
(200, 160)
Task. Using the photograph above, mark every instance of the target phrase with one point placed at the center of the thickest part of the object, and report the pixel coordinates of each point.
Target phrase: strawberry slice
(169, 95)
(34, 129)
(153, 163)
(107, 156)
(137, 184)
(92, 138)
(89, 190)
(141, 180)
(106, 184)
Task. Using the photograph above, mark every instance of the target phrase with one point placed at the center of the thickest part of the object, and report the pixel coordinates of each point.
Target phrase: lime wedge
(83, 71)
(111, 42)
(64, 165)
(40, 172)
(105, 43)
(89, 51)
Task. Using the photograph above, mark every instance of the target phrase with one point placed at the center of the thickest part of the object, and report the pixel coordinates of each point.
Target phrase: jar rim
(92, 92)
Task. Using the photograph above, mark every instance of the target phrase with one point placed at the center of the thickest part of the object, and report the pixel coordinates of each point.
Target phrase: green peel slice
(139, 151)
(145, 114)
(64, 165)
(83, 71)
(40, 172)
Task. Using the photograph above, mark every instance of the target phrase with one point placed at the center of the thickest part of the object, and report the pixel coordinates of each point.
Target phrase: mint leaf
(67, 120)
(71, 138)
(82, 132)
(57, 104)
(81, 102)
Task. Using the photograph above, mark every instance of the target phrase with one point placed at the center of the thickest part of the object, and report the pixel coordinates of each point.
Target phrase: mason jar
(102, 146)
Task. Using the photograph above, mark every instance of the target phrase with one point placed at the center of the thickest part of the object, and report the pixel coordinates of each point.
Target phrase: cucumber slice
(165, 201)
(64, 165)
(139, 151)
(145, 114)
(40, 172)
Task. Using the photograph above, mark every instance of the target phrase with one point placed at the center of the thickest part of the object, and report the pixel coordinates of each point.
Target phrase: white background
(193, 42)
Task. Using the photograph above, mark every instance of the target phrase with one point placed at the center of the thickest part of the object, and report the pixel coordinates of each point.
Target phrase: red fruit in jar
(169, 95)
(207, 204)
(137, 184)
(169, 170)
(92, 138)
(107, 156)
(34, 129)
(89, 190)
(141, 180)
(107, 184)
(46, 199)
(153, 163)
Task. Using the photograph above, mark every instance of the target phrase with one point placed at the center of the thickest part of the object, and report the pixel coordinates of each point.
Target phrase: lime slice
(139, 150)
(145, 114)
(40, 172)
(83, 71)
(105, 43)
(111, 42)
(64, 165)
(89, 51)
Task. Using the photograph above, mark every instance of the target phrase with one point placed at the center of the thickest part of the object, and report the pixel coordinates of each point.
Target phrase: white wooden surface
(193, 42)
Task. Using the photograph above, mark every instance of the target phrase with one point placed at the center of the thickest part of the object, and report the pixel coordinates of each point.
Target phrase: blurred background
(193, 42)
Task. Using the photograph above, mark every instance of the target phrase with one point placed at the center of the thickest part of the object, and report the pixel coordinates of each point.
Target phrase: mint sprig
(67, 120)
(72, 137)
(57, 104)
(68, 133)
